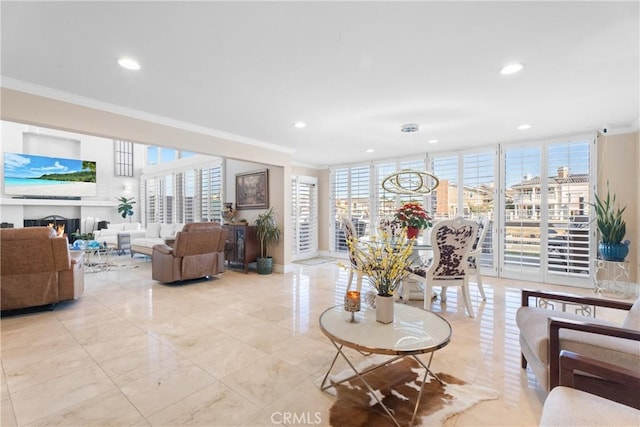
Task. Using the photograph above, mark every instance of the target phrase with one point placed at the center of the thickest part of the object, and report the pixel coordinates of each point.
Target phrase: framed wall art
(252, 190)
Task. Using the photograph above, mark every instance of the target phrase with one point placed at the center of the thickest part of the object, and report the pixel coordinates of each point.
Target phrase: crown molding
(58, 95)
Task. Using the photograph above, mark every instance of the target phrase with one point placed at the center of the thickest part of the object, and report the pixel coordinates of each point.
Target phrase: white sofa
(155, 234)
(119, 235)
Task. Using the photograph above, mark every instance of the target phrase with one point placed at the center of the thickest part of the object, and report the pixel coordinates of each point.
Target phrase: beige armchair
(574, 403)
(545, 333)
(198, 251)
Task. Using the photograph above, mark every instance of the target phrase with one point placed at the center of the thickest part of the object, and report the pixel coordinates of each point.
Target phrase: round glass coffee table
(414, 331)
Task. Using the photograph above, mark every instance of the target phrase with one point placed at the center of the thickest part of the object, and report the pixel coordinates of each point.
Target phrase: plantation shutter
(304, 214)
(444, 199)
(522, 207)
(569, 244)
(478, 174)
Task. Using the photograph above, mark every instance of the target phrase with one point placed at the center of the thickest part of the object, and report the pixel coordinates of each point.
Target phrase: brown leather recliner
(198, 251)
(38, 269)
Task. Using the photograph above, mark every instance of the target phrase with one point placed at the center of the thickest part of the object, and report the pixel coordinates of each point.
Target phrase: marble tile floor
(237, 350)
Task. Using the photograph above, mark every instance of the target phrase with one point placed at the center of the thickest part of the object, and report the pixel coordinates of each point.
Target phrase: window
(123, 160)
(546, 211)
(522, 208)
(210, 193)
(157, 155)
(304, 216)
(444, 200)
(536, 196)
(191, 195)
(473, 198)
(357, 193)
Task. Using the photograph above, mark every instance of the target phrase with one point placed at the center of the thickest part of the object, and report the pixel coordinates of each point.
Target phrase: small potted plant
(125, 207)
(268, 234)
(612, 228)
(414, 218)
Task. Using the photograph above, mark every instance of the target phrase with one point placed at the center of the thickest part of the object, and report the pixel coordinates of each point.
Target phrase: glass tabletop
(413, 330)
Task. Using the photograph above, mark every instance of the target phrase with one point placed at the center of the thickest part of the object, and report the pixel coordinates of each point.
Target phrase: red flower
(413, 215)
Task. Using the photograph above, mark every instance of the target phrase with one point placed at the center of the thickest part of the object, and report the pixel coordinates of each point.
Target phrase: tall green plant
(267, 231)
(611, 225)
(125, 208)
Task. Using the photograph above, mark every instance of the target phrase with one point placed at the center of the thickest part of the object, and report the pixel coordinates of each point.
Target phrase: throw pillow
(134, 226)
(153, 230)
(167, 231)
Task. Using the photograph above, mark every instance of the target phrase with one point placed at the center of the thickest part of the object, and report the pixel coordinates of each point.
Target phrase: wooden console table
(242, 246)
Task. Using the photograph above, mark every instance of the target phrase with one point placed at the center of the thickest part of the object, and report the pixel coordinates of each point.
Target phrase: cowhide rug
(398, 385)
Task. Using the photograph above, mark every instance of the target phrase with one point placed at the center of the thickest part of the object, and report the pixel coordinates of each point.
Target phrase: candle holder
(352, 303)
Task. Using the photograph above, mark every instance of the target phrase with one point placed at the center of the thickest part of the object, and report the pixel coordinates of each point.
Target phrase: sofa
(118, 236)
(37, 268)
(198, 251)
(155, 234)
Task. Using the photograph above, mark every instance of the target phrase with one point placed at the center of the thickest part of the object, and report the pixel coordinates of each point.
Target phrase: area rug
(398, 385)
(314, 261)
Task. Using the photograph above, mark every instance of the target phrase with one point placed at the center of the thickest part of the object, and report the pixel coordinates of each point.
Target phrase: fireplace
(65, 226)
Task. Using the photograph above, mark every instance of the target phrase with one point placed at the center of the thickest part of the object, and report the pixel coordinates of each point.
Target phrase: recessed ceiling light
(299, 125)
(512, 68)
(370, 150)
(129, 63)
(433, 141)
(524, 126)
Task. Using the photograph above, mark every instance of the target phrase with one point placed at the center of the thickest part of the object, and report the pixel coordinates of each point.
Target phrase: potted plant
(612, 228)
(414, 218)
(125, 207)
(268, 234)
(384, 260)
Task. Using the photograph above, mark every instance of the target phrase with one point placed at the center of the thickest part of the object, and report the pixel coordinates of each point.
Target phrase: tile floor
(232, 351)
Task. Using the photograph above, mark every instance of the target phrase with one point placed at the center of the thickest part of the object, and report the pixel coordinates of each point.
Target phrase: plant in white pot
(268, 234)
(612, 228)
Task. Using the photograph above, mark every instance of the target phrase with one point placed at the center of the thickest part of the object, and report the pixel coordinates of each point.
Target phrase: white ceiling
(354, 72)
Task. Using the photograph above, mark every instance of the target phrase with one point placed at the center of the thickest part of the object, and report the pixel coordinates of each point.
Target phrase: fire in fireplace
(59, 223)
(59, 228)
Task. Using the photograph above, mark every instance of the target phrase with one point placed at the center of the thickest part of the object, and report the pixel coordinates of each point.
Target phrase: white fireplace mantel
(55, 202)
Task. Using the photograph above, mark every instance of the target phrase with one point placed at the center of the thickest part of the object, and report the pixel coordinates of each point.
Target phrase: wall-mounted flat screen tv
(42, 176)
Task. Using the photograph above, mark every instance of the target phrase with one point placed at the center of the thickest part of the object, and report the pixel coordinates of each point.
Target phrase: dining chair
(451, 241)
(392, 227)
(350, 234)
(475, 254)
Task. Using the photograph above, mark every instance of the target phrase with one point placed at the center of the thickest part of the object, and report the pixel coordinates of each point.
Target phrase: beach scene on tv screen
(29, 175)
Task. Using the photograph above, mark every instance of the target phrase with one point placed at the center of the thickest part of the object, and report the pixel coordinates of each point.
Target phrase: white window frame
(296, 254)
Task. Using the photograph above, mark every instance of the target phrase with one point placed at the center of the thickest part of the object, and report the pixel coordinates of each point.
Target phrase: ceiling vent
(410, 127)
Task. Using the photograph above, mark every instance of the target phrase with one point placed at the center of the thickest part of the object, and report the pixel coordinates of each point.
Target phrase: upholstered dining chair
(451, 241)
(350, 234)
(476, 252)
(390, 226)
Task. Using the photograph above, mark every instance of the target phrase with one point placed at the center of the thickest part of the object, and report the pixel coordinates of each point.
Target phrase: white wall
(27, 139)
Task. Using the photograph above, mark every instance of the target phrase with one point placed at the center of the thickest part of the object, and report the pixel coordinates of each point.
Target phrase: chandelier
(411, 182)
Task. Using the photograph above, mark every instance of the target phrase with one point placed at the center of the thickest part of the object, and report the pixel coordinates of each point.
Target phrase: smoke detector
(410, 127)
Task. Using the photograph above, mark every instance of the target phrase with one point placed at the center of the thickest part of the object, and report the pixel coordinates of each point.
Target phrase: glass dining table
(422, 250)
